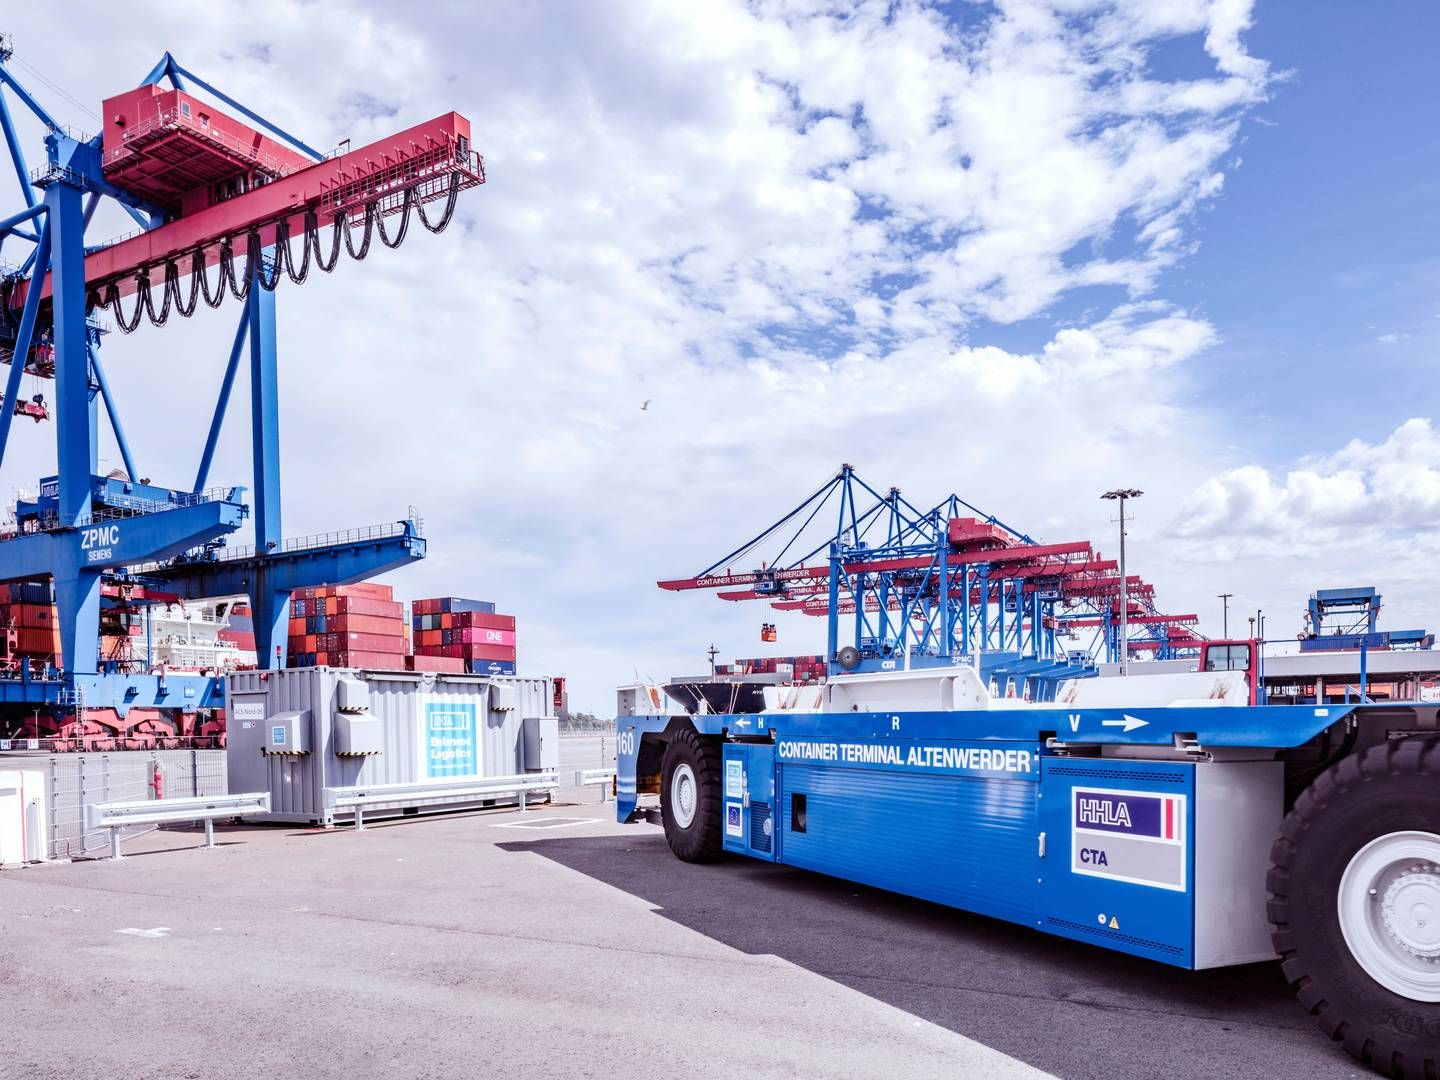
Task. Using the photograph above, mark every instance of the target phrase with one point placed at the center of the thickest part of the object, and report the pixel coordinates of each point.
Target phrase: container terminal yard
(1005, 813)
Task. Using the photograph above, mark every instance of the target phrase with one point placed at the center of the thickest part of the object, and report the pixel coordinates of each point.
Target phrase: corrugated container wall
(406, 705)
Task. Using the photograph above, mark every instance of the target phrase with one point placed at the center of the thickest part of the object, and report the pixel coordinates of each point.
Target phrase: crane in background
(901, 587)
(226, 205)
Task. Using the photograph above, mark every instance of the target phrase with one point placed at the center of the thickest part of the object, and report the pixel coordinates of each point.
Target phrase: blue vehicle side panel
(963, 841)
(1278, 726)
(972, 810)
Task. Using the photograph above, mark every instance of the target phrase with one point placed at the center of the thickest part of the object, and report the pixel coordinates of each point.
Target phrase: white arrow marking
(1130, 723)
(154, 931)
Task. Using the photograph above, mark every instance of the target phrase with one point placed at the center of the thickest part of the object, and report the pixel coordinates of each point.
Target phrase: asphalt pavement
(559, 944)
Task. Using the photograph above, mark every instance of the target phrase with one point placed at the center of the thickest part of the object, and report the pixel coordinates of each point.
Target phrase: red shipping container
(364, 624)
(365, 605)
(371, 642)
(481, 619)
(486, 652)
(33, 616)
(367, 588)
(364, 588)
(361, 659)
(451, 664)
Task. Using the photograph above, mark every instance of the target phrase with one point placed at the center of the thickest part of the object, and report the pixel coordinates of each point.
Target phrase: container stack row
(799, 669)
(29, 608)
(468, 632)
(347, 626)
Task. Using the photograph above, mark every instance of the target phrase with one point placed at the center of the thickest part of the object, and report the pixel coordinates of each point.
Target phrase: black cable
(450, 201)
(365, 244)
(312, 236)
(283, 264)
(405, 200)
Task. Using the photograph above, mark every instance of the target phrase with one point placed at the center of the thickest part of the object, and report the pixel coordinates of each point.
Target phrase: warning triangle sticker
(1114, 923)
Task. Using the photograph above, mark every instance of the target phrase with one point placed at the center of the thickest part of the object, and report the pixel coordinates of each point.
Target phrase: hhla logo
(1097, 810)
(1126, 813)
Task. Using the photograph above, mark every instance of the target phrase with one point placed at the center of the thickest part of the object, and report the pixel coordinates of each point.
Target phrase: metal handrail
(174, 117)
(316, 540)
(131, 506)
(294, 544)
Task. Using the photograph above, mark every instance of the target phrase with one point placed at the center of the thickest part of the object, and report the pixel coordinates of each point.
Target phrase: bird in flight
(646, 406)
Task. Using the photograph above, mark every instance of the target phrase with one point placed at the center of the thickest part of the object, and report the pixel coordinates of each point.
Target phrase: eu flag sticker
(732, 820)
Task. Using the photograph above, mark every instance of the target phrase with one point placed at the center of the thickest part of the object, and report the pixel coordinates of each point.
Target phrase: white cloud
(1367, 492)
(1364, 515)
(784, 224)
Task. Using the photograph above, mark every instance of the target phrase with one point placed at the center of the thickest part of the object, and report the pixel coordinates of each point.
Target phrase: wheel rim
(684, 795)
(1390, 912)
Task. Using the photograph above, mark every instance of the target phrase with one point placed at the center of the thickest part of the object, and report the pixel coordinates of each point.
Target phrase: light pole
(1225, 615)
(1122, 494)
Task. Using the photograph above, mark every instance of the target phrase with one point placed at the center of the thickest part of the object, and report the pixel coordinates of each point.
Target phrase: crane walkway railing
(124, 507)
(291, 546)
(342, 538)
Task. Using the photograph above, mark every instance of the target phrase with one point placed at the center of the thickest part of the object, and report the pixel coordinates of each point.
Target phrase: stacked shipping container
(470, 632)
(801, 669)
(27, 609)
(347, 626)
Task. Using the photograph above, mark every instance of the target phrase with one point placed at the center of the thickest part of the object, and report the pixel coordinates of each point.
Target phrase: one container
(434, 728)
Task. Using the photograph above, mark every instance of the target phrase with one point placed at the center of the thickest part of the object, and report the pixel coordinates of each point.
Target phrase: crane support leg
(77, 596)
(75, 423)
(271, 605)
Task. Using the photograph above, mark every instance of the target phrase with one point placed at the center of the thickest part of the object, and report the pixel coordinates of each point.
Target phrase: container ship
(742, 687)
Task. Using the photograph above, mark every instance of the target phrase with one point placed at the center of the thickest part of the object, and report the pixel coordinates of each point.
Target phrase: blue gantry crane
(1353, 615)
(906, 587)
(221, 206)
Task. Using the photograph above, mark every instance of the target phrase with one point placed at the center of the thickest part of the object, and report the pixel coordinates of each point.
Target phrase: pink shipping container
(450, 664)
(481, 636)
(365, 605)
(369, 642)
(480, 619)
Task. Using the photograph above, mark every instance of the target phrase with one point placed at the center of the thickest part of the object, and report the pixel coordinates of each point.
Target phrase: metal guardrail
(387, 531)
(288, 546)
(116, 815)
(129, 506)
(359, 797)
(603, 777)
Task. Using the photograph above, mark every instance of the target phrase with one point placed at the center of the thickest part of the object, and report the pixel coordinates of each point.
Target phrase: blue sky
(1184, 245)
(1324, 240)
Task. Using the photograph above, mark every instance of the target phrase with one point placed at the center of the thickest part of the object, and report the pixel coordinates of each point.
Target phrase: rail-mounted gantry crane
(227, 206)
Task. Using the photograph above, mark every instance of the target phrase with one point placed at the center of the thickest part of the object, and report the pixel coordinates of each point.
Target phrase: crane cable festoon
(174, 296)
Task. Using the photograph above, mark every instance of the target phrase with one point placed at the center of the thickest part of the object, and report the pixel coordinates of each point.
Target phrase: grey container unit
(298, 731)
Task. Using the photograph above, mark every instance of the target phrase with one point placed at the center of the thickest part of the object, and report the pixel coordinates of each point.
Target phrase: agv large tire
(690, 797)
(1355, 903)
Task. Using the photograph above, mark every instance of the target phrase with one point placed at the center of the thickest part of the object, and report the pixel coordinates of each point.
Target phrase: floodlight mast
(1122, 494)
